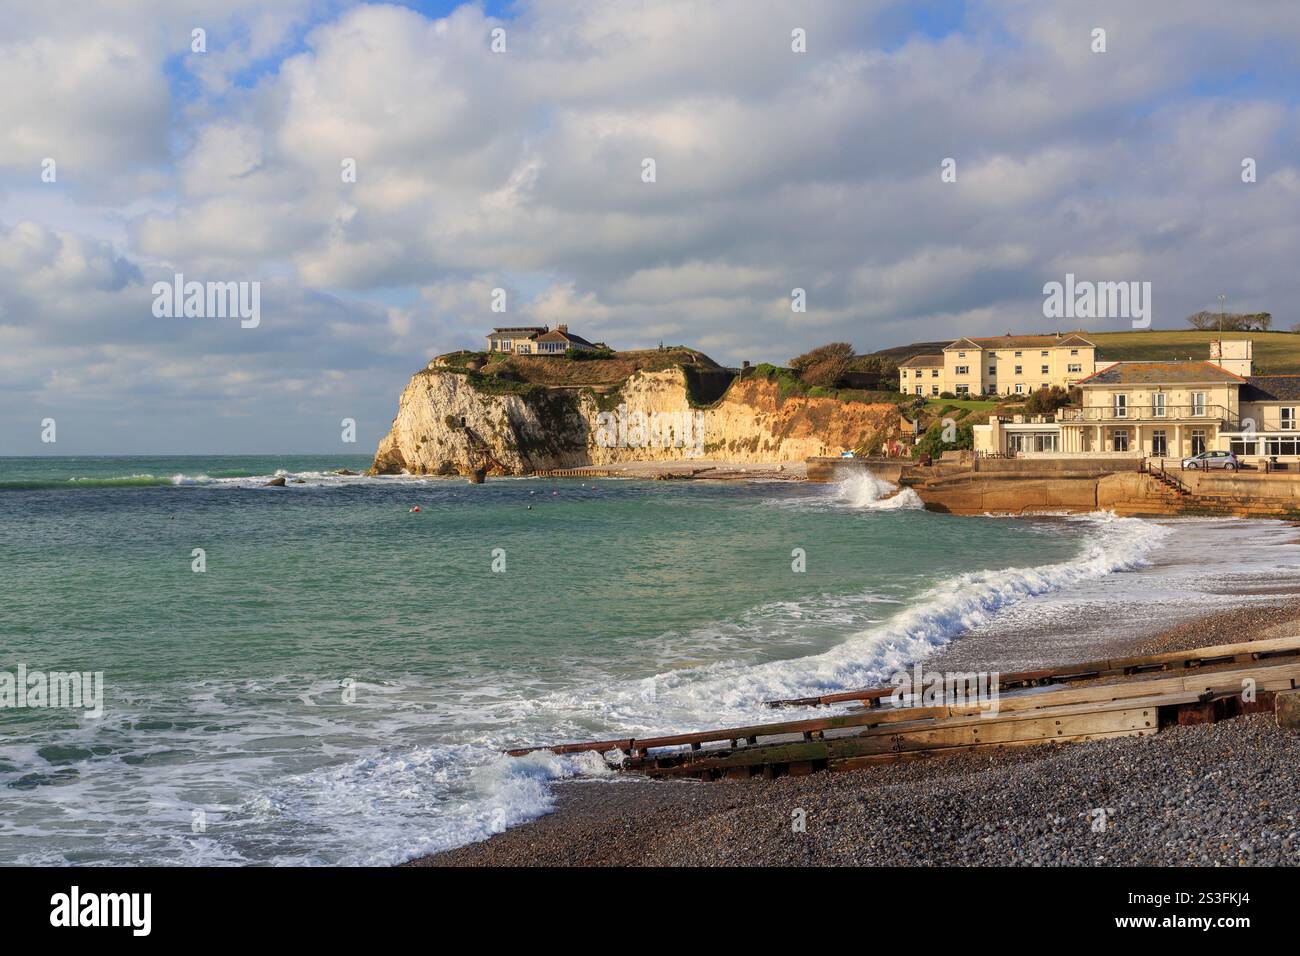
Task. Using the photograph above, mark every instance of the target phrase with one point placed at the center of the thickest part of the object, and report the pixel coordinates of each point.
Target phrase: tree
(823, 366)
(1231, 321)
(932, 442)
(1045, 401)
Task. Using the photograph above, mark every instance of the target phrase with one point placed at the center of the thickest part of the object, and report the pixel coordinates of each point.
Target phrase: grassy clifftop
(560, 372)
(1275, 352)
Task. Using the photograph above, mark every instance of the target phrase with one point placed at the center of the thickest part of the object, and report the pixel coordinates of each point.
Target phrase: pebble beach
(1209, 795)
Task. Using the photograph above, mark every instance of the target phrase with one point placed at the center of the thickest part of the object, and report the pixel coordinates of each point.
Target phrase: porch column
(1178, 442)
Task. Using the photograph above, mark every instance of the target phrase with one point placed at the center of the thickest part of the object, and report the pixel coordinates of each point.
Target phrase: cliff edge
(464, 414)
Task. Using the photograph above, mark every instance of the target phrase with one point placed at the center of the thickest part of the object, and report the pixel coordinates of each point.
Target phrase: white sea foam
(493, 793)
(463, 793)
(865, 490)
(400, 784)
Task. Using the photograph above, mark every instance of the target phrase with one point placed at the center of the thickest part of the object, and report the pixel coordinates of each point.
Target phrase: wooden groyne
(1151, 692)
(1244, 652)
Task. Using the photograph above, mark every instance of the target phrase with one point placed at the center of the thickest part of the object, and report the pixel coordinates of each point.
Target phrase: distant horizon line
(194, 454)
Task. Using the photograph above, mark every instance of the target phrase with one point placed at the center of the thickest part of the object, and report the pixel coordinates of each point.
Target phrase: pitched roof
(555, 335)
(1271, 388)
(1070, 339)
(923, 361)
(532, 329)
(1162, 373)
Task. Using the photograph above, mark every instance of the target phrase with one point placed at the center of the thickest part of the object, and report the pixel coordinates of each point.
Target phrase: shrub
(825, 365)
(932, 442)
(586, 355)
(1045, 401)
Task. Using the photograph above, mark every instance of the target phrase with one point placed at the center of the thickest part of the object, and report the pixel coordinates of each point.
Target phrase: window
(1019, 368)
(1241, 446)
(934, 389)
(918, 390)
(1121, 440)
(1159, 446)
(1074, 367)
(1042, 355)
(1046, 370)
(1020, 389)
(1073, 352)
(934, 373)
(1198, 441)
(963, 389)
(1121, 407)
(993, 370)
(1018, 354)
(1158, 407)
(961, 354)
(1288, 418)
(963, 370)
(1280, 447)
(1198, 403)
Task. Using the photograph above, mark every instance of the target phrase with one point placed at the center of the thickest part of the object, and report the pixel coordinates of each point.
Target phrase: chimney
(562, 328)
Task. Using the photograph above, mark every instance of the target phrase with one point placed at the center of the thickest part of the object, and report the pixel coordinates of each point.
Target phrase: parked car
(1213, 459)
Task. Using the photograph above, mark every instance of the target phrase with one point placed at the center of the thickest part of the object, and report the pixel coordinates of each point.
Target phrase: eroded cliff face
(446, 426)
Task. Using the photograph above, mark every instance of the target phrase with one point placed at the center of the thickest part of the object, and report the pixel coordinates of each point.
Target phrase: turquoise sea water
(336, 685)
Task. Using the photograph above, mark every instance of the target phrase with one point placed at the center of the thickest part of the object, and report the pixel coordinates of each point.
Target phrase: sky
(127, 156)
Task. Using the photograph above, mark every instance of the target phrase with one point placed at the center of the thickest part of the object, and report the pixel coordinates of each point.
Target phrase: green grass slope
(1275, 352)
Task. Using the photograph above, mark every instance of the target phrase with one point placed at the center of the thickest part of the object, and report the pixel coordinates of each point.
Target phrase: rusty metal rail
(1195, 686)
(1089, 670)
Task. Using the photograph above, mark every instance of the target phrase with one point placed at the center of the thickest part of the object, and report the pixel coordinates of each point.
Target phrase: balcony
(1146, 415)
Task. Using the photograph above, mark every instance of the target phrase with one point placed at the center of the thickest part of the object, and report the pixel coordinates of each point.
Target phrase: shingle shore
(1219, 794)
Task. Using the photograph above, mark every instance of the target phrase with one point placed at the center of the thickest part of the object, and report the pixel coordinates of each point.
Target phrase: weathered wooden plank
(1120, 666)
(601, 746)
(1280, 675)
(919, 736)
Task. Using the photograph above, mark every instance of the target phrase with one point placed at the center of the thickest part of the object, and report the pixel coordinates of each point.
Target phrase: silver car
(1213, 459)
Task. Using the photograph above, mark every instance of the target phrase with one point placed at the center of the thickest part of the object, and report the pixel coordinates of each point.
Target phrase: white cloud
(522, 170)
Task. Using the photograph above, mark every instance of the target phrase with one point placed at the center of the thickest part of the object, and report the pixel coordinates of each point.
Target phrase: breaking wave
(868, 492)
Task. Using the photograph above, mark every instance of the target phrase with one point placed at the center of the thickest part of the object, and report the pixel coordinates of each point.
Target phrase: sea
(320, 673)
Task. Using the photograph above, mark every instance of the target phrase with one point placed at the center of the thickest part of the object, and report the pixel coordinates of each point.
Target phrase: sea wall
(1127, 493)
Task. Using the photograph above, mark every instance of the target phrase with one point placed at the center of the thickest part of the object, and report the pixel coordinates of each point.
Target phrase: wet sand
(1218, 794)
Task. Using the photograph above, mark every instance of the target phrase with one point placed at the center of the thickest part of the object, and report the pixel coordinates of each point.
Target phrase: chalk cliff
(448, 422)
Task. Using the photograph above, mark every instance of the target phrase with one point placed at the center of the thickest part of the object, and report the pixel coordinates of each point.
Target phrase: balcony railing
(1145, 414)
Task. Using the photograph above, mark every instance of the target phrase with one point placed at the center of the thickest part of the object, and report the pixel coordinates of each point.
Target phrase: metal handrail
(1142, 414)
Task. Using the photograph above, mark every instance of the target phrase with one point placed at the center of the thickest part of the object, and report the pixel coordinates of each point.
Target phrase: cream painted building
(1003, 365)
(1164, 410)
(1153, 409)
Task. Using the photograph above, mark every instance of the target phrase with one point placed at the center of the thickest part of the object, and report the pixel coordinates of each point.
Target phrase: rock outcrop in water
(449, 423)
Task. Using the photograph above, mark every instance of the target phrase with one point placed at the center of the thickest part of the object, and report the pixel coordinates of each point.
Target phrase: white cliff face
(444, 425)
